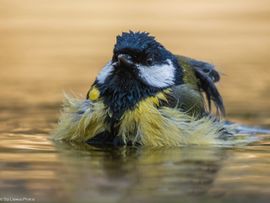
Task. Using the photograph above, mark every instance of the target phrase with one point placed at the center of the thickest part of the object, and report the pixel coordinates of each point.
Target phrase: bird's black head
(141, 54)
(141, 48)
(140, 67)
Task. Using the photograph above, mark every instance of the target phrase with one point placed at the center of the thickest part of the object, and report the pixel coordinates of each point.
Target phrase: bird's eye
(149, 61)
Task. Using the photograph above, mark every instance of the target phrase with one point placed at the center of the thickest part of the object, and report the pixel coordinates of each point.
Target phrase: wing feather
(207, 76)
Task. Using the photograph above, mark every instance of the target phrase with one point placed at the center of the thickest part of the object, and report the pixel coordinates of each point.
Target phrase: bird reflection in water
(139, 172)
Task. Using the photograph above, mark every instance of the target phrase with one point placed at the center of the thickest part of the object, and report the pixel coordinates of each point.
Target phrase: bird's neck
(122, 94)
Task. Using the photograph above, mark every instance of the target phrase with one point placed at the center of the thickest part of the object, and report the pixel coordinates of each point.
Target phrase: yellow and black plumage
(146, 95)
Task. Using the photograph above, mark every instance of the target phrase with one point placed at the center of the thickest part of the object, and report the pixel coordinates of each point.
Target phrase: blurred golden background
(48, 47)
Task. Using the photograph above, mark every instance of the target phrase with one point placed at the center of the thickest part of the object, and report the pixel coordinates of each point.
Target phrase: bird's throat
(123, 93)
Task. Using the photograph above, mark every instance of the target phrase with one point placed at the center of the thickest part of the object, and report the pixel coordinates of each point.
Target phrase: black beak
(125, 59)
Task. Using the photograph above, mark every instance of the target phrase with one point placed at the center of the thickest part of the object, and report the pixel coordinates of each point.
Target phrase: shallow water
(47, 48)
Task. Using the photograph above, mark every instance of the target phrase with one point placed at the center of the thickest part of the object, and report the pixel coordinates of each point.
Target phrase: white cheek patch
(158, 75)
(105, 72)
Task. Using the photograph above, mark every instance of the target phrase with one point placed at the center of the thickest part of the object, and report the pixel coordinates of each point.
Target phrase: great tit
(146, 95)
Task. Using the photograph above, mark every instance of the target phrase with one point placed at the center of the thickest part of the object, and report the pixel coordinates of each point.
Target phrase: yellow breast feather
(80, 120)
(93, 94)
(147, 124)
(164, 126)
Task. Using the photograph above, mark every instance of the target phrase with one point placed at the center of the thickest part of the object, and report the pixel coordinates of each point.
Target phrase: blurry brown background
(47, 47)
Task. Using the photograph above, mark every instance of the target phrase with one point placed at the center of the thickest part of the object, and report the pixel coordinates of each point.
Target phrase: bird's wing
(207, 68)
(203, 76)
(189, 99)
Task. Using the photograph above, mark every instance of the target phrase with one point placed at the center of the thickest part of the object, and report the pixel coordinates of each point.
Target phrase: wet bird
(146, 95)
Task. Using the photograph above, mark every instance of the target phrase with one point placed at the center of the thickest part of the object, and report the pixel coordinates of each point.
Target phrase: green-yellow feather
(189, 74)
(189, 97)
(146, 124)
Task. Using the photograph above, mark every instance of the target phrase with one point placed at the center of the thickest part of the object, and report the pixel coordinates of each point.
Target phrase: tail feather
(211, 91)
